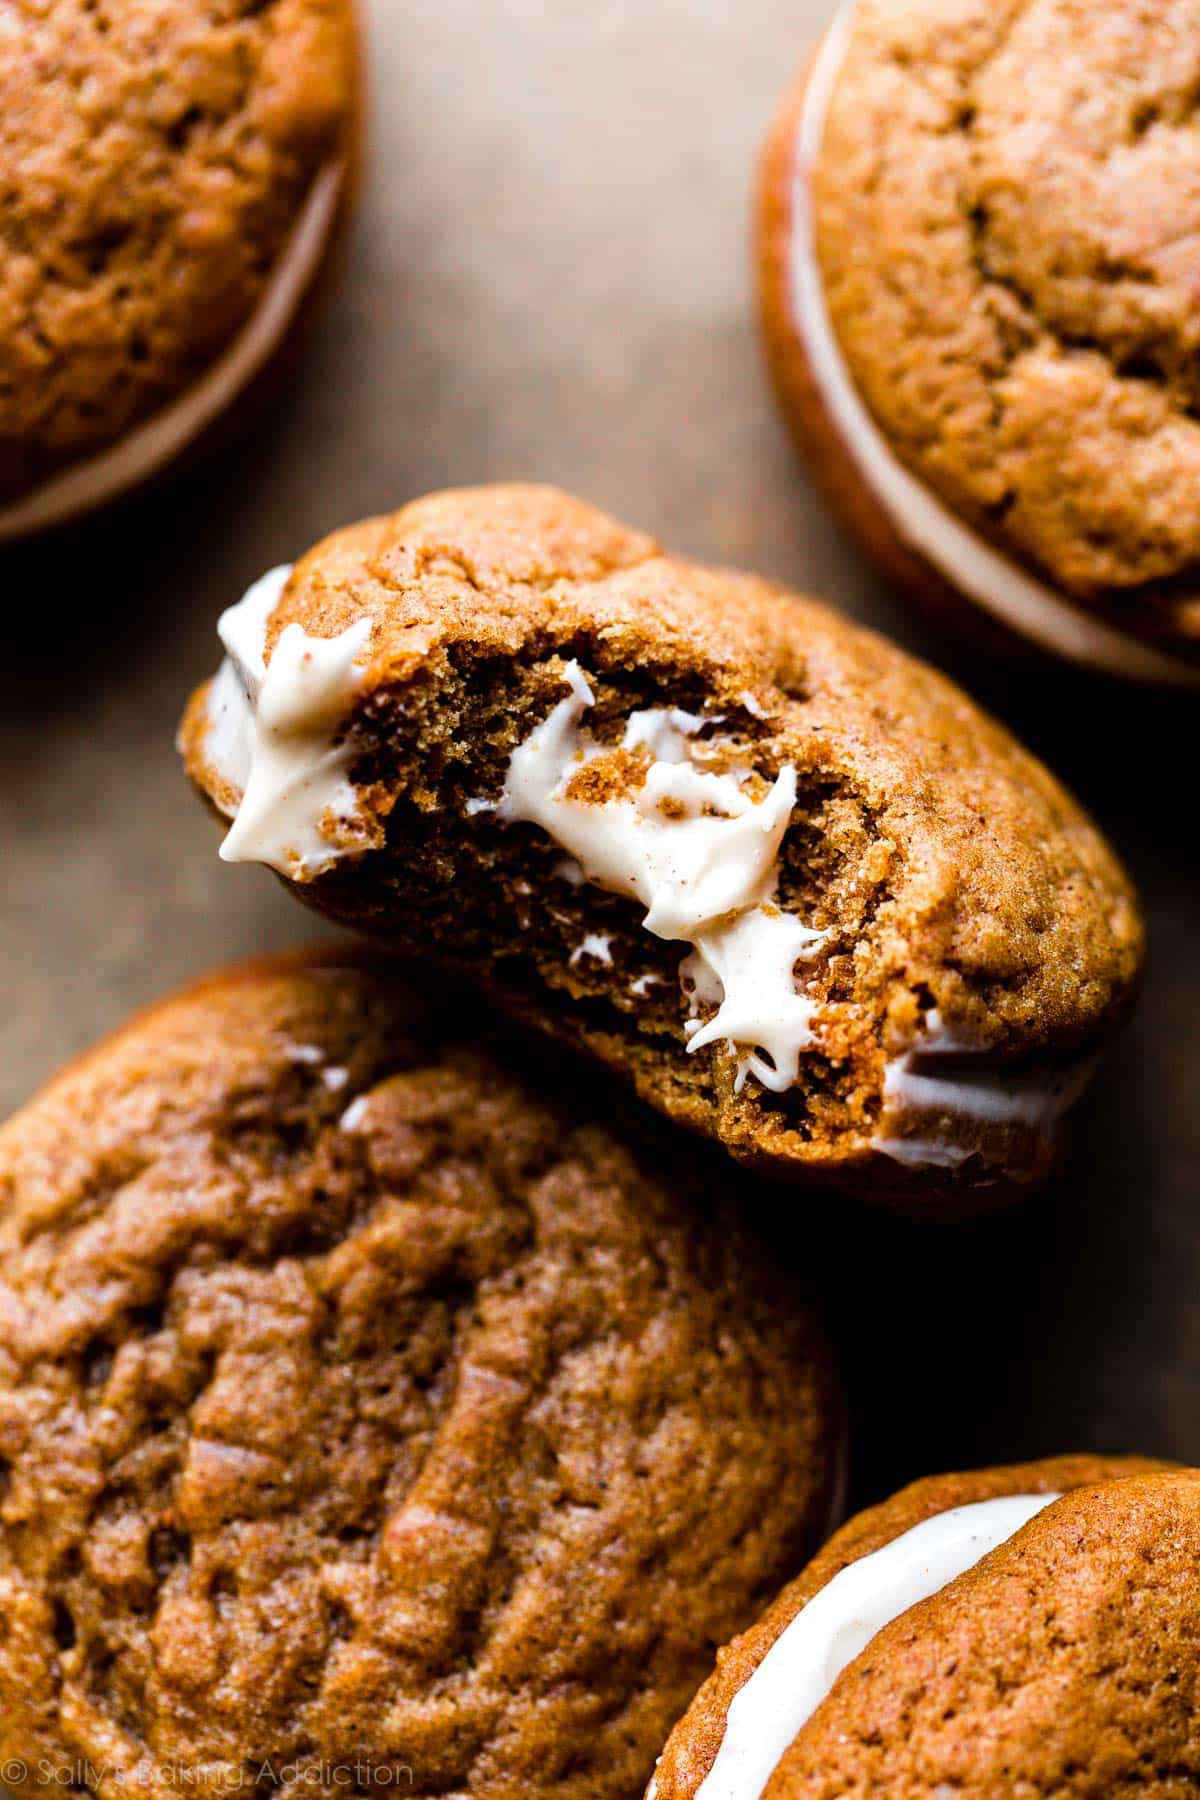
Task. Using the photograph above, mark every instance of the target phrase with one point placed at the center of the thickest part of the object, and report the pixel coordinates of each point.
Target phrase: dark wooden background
(551, 279)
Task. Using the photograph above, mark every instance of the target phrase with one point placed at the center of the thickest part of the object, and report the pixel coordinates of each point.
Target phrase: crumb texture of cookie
(977, 1633)
(787, 880)
(358, 1407)
(1007, 203)
(159, 154)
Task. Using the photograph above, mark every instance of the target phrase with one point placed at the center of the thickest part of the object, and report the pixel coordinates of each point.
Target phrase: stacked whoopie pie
(391, 1395)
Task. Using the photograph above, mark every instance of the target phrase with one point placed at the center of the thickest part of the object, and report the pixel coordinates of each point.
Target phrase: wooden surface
(550, 279)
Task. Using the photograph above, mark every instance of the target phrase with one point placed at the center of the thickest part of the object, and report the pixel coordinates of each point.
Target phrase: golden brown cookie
(361, 1408)
(179, 173)
(973, 1636)
(978, 281)
(786, 880)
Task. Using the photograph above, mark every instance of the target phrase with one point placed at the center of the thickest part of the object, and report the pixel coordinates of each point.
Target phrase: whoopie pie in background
(178, 174)
(1026, 1630)
(979, 251)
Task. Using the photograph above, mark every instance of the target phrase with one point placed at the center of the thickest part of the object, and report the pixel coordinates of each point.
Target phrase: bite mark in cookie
(670, 818)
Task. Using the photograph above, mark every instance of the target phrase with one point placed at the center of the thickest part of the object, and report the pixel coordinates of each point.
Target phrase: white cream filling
(1035, 1101)
(274, 737)
(698, 851)
(924, 1152)
(983, 1095)
(229, 745)
(746, 970)
(596, 945)
(150, 446)
(802, 1665)
(973, 566)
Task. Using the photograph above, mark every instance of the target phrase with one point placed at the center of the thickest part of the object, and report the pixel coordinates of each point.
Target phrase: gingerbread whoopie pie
(177, 177)
(789, 882)
(1031, 1630)
(979, 253)
(363, 1409)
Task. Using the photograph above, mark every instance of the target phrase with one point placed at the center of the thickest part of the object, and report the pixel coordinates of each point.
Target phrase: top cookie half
(790, 882)
(980, 250)
(174, 175)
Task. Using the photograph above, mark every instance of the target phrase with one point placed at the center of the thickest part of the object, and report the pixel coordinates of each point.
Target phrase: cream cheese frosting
(836, 1626)
(966, 560)
(275, 737)
(942, 1075)
(150, 446)
(1036, 1101)
(697, 848)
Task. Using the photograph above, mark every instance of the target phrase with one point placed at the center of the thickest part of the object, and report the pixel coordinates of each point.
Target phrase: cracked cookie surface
(1007, 205)
(952, 897)
(158, 154)
(358, 1406)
